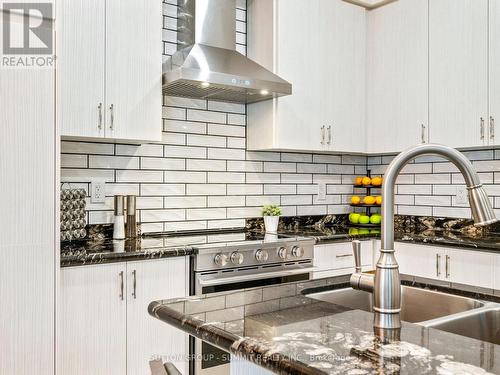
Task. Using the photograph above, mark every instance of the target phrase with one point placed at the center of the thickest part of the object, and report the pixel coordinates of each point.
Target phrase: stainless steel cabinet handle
(112, 116)
(329, 135)
(438, 270)
(447, 266)
(134, 290)
(481, 127)
(99, 107)
(492, 127)
(344, 256)
(422, 127)
(323, 135)
(121, 285)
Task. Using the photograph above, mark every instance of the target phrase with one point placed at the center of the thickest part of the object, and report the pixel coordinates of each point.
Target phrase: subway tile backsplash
(201, 176)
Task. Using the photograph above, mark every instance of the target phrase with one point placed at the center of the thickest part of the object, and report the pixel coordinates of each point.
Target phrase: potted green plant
(271, 214)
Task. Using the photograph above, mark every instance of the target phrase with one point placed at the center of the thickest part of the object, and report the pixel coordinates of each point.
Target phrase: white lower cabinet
(105, 325)
(338, 258)
(469, 267)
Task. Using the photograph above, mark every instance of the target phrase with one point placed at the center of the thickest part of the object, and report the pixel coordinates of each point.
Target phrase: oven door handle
(259, 276)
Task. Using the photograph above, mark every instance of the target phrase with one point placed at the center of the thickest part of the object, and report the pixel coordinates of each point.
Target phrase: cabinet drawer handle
(481, 127)
(329, 135)
(112, 116)
(343, 256)
(492, 127)
(447, 266)
(121, 285)
(422, 134)
(323, 135)
(438, 271)
(99, 107)
(134, 290)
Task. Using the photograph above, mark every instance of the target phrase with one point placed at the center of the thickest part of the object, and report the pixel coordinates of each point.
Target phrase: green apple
(364, 219)
(375, 219)
(355, 218)
(364, 231)
(353, 231)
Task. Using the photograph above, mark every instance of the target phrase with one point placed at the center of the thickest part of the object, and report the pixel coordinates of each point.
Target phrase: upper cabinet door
(80, 61)
(133, 70)
(458, 61)
(397, 76)
(342, 58)
(494, 65)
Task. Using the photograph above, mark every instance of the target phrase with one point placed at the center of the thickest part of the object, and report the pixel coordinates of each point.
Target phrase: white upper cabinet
(397, 76)
(494, 65)
(109, 69)
(324, 59)
(458, 67)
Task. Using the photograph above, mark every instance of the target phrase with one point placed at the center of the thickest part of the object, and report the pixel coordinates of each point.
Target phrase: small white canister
(271, 223)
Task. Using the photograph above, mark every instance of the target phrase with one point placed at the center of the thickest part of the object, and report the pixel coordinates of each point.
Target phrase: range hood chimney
(207, 66)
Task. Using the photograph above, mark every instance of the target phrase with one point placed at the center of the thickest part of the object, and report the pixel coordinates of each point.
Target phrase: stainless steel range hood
(207, 66)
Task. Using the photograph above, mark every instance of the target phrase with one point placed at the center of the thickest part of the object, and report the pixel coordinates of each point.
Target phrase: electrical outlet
(98, 191)
(321, 191)
(461, 197)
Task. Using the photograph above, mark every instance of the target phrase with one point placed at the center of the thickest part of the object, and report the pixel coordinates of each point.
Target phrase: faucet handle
(356, 249)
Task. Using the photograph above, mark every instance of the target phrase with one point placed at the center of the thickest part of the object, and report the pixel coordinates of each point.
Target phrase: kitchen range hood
(207, 66)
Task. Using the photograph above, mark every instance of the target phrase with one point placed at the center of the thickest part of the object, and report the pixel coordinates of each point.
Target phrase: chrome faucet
(385, 283)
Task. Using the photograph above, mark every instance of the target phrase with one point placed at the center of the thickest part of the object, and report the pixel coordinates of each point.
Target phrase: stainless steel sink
(417, 305)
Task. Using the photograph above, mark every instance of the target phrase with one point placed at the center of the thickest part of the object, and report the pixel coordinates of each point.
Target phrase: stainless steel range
(259, 260)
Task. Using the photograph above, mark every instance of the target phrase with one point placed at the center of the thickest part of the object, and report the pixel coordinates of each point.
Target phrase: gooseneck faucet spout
(385, 284)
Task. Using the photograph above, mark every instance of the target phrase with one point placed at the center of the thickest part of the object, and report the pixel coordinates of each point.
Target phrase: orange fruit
(369, 200)
(358, 181)
(367, 181)
(378, 199)
(377, 181)
(355, 199)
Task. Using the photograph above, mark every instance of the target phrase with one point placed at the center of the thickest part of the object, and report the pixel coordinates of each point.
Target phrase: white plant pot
(271, 223)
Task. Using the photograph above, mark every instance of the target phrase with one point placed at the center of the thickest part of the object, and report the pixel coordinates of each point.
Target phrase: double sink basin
(456, 314)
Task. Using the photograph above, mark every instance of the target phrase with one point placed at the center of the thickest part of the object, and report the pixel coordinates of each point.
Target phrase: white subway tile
(142, 150)
(163, 164)
(185, 225)
(263, 156)
(87, 148)
(101, 217)
(151, 216)
(329, 179)
(241, 15)
(185, 177)
(236, 119)
(206, 189)
(337, 189)
(479, 155)
(226, 177)
(308, 189)
(170, 23)
(417, 168)
(173, 113)
(281, 189)
(486, 178)
(113, 162)
(296, 157)
(185, 127)
(339, 209)
(408, 200)
(414, 189)
(311, 168)
(149, 202)
(435, 178)
(336, 159)
(226, 153)
(185, 152)
(226, 107)
(244, 166)
(162, 189)
(206, 116)
(298, 178)
(139, 176)
(220, 224)
(122, 189)
(244, 189)
(240, 38)
(444, 168)
(280, 167)
(243, 212)
(206, 140)
(73, 161)
(354, 159)
(289, 211)
(226, 201)
(226, 130)
(205, 213)
(292, 200)
(152, 227)
(487, 165)
(329, 199)
(414, 210)
(176, 101)
(432, 200)
(459, 212)
(311, 210)
(86, 175)
(446, 189)
(206, 165)
(341, 169)
(173, 138)
(405, 179)
(263, 178)
(236, 142)
(260, 200)
(185, 202)
(170, 10)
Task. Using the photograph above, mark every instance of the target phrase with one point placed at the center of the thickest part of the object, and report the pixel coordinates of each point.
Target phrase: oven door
(209, 360)
(251, 277)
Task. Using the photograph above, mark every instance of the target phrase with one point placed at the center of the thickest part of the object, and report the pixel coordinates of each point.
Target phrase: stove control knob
(297, 251)
(221, 260)
(261, 255)
(282, 252)
(236, 258)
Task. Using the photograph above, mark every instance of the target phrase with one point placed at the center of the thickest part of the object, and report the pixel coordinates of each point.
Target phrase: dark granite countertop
(299, 335)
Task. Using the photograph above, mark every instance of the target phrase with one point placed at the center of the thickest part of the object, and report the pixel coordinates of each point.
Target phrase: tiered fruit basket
(368, 184)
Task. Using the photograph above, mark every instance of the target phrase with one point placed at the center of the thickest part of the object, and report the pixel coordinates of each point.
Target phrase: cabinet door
(92, 338)
(339, 258)
(133, 70)
(80, 62)
(471, 268)
(420, 260)
(458, 63)
(397, 75)
(494, 65)
(149, 281)
(341, 63)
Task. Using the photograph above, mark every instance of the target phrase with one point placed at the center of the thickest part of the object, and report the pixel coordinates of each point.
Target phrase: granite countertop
(299, 335)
